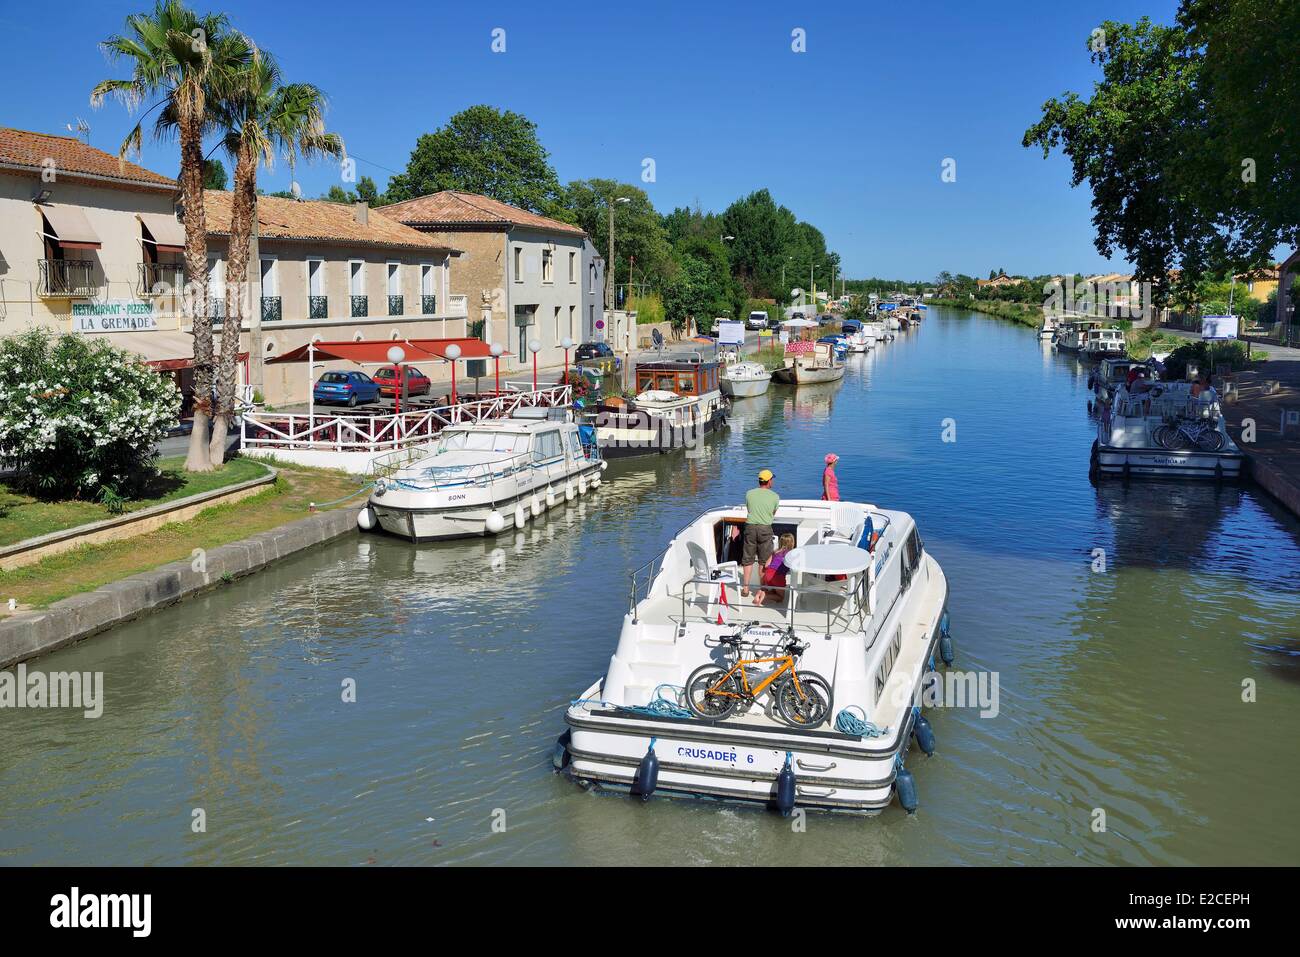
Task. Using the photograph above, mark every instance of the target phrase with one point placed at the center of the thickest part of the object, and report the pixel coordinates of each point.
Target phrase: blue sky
(850, 135)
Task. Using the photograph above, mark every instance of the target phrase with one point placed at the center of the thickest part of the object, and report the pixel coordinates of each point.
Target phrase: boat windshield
(511, 442)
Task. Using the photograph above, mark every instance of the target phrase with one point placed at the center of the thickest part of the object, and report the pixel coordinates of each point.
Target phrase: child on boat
(774, 572)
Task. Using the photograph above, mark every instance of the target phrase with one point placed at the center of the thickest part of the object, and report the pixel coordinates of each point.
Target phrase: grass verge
(86, 568)
(25, 516)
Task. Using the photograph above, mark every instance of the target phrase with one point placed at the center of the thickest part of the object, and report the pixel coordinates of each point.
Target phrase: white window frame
(517, 261)
(391, 274)
(574, 267)
(323, 284)
(572, 315)
(274, 273)
(548, 266)
(360, 274)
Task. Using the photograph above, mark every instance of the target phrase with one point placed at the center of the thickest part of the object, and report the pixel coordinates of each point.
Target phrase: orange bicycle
(802, 698)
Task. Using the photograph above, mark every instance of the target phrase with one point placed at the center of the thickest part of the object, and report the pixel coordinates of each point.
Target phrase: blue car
(349, 388)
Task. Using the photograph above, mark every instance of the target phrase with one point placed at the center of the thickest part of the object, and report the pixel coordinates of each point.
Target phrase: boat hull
(407, 518)
(620, 443)
(745, 388)
(795, 375)
(1109, 460)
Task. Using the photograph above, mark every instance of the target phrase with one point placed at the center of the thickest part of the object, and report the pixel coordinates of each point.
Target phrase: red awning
(375, 351)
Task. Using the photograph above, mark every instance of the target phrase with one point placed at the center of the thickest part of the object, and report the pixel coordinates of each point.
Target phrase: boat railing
(475, 475)
(641, 580)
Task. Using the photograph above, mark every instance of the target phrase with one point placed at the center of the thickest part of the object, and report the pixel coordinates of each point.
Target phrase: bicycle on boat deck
(802, 698)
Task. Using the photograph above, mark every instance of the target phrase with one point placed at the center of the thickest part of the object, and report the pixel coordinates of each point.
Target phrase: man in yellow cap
(760, 507)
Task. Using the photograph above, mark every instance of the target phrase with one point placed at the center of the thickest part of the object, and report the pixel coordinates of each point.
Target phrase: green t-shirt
(761, 503)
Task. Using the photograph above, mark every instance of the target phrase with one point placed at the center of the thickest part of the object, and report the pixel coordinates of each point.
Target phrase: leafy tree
(367, 192)
(482, 150)
(1189, 141)
(214, 174)
(638, 232)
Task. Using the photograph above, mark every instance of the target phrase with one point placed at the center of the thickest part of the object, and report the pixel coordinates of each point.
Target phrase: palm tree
(177, 56)
(263, 118)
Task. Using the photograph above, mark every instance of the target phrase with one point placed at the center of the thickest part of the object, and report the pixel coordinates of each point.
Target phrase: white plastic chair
(709, 575)
(846, 525)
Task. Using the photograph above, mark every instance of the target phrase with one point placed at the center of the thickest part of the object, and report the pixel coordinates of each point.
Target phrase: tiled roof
(70, 155)
(455, 209)
(319, 221)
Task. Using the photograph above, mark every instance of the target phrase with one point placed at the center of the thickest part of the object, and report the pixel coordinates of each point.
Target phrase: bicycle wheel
(712, 694)
(1211, 440)
(1162, 436)
(808, 704)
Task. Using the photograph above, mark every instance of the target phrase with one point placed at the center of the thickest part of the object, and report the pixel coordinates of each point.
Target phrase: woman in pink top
(830, 484)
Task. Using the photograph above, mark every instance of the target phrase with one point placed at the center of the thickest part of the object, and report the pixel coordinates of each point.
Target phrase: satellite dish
(295, 189)
(796, 292)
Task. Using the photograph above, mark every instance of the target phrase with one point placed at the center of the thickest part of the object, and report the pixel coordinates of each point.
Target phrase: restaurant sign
(113, 315)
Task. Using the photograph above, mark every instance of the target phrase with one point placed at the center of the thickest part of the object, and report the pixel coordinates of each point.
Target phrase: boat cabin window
(575, 445)
(729, 537)
(483, 442)
(547, 445)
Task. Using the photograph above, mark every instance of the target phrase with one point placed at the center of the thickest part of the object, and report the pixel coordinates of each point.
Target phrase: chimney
(361, 211)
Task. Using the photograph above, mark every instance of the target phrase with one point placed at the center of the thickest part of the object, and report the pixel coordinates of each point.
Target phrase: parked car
(598, 356)
(350, 388)
(757, 320)
(417, 383)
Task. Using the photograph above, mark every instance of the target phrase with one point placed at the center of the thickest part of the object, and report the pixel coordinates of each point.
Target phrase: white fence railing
(458, 305)
(341, 432)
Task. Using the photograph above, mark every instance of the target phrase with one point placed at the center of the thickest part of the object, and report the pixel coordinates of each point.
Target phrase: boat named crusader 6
(481, 478)
(1164, 429)
(808, 698)
(820, 364)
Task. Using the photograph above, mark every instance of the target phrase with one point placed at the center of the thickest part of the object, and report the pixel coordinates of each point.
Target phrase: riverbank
(1025, 314)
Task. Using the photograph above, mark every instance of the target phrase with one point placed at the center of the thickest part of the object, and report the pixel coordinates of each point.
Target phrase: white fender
(551, 496)
(366, 519)
(521, 517)
(495, 522)
(535, 503)
(570, 493)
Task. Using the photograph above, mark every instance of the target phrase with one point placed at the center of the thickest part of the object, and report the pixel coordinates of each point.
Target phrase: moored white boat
(1165, 431)
(832, 737)
(744, 380)
(481, 478)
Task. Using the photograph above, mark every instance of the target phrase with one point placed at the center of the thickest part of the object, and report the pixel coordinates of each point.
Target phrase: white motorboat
(481, 478)
(862, 618)
(1162, 429)
(1110, 375)
(1104, 341)
(744, 380)
(1048, 329)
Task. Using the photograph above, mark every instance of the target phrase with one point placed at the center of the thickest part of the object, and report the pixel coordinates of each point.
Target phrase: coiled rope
(846, 722)
(659, 706)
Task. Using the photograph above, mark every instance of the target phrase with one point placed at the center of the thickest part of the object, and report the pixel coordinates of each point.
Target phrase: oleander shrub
(79, 417)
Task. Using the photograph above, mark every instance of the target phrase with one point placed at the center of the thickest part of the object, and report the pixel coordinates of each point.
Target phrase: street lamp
(566, 344)
(396, 355)
(534, 347)
(496, 349)
(453, 353)
(609, 279)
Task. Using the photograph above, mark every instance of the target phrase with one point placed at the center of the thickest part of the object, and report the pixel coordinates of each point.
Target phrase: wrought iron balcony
(360, 307)
(318, 307)
(428, 305)
(74, 278)
(161, 279)
(271, 309)
(217, 310)
(395, 305)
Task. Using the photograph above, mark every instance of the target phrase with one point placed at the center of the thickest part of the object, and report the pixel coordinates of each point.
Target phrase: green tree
(214, 174)
(482, 150)
(638, 230)
(1189, 140)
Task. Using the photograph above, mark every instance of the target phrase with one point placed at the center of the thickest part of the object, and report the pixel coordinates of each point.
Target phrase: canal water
(1121, 671)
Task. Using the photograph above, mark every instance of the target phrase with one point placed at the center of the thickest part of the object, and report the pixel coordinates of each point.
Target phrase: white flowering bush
(78, 417)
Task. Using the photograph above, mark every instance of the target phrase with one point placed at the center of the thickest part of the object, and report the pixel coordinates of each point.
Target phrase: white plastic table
(836, 558)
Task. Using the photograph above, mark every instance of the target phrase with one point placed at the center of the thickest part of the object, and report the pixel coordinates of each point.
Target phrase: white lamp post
(534, 347)
(566, 344)
(496, 349)
(397, 355)
(453, 353)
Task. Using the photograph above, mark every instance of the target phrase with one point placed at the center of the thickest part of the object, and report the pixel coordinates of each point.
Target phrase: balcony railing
(158, 279)
(395, 305)
(318, 307)
(68, 277)
(217, 309)
(271, 309)
(458, 305)
(360, 307)
(428, 305)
